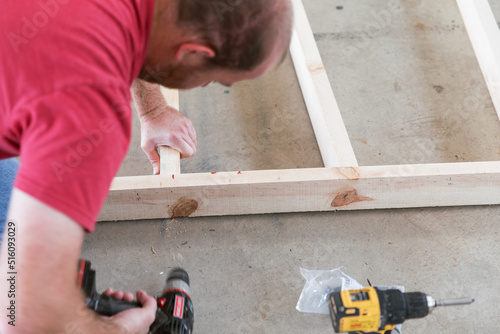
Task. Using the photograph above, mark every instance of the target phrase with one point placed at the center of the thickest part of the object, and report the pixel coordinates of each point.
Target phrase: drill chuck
(177, 314)
(396, 306)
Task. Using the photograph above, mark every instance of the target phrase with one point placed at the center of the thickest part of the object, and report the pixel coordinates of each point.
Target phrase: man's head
(194, 42)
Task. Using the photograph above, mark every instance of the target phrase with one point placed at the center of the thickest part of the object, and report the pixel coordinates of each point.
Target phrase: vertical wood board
(170, 160)
(485, 38)
(331, 134)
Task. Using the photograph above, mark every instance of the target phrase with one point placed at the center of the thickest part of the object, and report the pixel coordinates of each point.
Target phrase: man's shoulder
(59, 42)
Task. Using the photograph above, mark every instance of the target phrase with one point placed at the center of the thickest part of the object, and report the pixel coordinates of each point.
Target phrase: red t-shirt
(66, 67)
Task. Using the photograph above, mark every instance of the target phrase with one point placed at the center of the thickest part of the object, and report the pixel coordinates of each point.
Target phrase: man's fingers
(190, 148)
(128, 296)
(183, 144)
(117, 295)
(188, 152)
(186, 148)
(191, 132)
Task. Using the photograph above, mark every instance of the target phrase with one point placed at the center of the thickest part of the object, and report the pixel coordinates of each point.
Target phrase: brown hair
(240, 31)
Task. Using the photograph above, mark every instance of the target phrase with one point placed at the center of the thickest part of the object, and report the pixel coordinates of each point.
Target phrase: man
(67, 67)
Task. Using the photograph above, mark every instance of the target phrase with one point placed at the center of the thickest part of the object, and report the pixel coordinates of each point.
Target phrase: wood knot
(184, 207)
(348, 196)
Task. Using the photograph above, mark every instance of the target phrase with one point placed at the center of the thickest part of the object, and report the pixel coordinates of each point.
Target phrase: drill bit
(432, 303)
(462, 301)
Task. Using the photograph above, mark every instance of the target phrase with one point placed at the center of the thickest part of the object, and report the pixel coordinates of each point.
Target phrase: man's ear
(193, 49)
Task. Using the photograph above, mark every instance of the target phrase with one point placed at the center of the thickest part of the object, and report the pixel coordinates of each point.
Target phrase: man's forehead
(278, 55)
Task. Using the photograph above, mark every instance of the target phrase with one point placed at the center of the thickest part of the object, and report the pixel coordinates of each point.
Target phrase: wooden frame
(342, 184)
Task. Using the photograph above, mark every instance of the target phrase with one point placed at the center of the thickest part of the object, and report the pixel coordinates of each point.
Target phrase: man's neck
(164, 34)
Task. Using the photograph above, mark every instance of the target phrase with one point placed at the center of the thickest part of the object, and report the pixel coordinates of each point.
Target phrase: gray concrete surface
(410, 91)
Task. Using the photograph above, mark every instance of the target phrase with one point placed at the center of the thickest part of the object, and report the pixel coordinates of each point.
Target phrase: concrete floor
(410, 91)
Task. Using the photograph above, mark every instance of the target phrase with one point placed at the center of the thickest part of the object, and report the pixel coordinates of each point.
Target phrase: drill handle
(106, 305)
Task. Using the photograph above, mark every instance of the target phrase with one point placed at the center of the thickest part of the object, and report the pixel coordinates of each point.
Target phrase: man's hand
(134, 320)
(161, 124)
(166, 126)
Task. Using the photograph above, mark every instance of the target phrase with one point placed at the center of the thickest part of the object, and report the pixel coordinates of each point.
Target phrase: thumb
(154, 158)
(148, 303)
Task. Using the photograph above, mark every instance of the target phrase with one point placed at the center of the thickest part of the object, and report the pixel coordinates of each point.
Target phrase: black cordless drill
(174, 314)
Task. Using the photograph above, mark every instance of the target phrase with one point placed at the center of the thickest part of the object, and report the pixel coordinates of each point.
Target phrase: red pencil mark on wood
(213, 172)
(173, 177)
(184, 207)
(316, 68)
(239, 172)
(348, 196)
(349, 172)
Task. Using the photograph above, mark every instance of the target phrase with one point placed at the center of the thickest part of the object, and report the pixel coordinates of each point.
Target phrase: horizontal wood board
(317, 189)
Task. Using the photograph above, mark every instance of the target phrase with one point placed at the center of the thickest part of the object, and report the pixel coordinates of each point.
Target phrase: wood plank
(485, 38)
(302, 190)
(170, 160)
(171, 96)
(331, 134)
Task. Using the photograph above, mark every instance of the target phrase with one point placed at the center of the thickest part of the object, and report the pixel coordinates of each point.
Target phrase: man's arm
(161, 124)
(46, 249)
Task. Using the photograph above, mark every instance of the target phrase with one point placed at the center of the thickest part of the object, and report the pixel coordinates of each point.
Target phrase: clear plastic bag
(319, 285)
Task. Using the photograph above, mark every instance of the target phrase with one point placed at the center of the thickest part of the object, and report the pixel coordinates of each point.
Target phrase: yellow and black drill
(374, 311)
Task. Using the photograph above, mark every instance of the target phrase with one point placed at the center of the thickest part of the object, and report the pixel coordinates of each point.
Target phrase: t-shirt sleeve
(72, 144)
